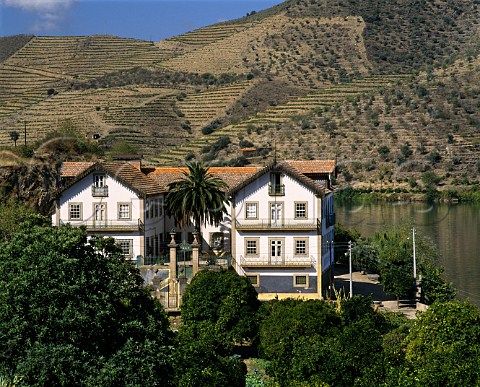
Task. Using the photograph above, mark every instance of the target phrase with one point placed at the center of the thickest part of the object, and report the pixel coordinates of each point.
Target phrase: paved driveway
(366, 286)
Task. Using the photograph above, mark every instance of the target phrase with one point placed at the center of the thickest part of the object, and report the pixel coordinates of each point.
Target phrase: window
(301, 246)
(124, 211)
(300, 281)
(216, 241)
(99, 187)
(252, 247)
(75, 211)
(254, 280)
(99, 181)
(301, 210)
(126, 245)
(276, 187)
(251, 211)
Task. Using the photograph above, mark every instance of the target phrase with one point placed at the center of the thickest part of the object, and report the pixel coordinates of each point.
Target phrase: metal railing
(278, 261)
(100, 191)
(276, 189)
(267, 223)
(108, 224)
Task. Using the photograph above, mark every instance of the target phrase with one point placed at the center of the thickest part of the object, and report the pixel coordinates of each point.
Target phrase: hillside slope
(310, 78)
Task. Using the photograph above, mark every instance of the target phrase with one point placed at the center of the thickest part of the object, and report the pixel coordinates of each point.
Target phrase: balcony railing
(109, 225)
(100, 191)
(266, 261)
(276, 189)
(266, 224)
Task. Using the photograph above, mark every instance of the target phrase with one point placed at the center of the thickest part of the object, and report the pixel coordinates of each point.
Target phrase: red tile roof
(288, 169)
(152, 181)
(313, 166)
(124, 172)
(230, 175)
(74, 168)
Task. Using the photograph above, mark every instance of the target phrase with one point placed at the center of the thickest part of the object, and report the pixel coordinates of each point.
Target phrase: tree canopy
(74, 312)
(219, 313)
(198, 197)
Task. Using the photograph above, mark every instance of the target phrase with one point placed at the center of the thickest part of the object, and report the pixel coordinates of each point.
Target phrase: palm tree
(198, 198)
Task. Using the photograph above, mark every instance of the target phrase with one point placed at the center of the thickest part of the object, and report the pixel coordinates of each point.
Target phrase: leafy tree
(12, 214)
(342, 236)
(219, 312)
(225, 302)
(288, 325)
(309, 343)
(14, 136)
(74, 312)
(395, 262)
(365, 255)
(443, 346)
(199, 196)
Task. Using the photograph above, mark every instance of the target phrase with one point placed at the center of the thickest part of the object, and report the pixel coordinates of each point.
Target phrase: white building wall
(258, 192)
(81, 192)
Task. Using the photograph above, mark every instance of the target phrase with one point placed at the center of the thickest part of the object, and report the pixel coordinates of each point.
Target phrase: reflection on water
(455, 228)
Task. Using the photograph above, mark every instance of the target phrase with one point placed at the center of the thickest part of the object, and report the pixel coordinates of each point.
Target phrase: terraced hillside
(202, 108)
(272, 117)
(306, 51)
(312, 78)
(85, 57)
(403, 134)
(91, 111)
(399, 36)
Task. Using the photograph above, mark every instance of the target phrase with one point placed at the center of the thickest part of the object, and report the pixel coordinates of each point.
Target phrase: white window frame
(100, 180)
(256, 241)
(305, 210)
(120, 212)
(296, 247)
(80, 211)
(248, 211)
(120, 243)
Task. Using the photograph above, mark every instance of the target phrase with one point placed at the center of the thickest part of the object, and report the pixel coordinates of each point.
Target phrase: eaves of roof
(126, 174)
(286, 168)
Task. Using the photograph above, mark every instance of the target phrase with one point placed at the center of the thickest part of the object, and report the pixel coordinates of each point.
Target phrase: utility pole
(25, 132)
(414, 257)
(350, 267)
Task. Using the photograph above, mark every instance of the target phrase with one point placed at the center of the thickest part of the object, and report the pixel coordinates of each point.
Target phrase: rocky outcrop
(36, 183)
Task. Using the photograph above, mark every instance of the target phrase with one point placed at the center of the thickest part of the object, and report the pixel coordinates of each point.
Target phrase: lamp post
(184, 246)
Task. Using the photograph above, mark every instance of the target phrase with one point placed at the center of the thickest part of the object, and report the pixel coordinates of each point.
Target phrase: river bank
(372, 195)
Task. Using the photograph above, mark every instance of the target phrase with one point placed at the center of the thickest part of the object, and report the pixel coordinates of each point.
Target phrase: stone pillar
(195, 254)
(173, 256)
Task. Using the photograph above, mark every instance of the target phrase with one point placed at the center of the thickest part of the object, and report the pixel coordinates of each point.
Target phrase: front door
(276, 251)
(276, 210)
(100, 214)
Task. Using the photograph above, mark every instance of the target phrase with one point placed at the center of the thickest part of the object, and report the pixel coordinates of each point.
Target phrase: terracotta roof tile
(230, 175)
(313, 166)
(74, 168)
(124, 172)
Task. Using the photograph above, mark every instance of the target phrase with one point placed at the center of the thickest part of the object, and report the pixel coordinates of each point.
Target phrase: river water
(455, 228)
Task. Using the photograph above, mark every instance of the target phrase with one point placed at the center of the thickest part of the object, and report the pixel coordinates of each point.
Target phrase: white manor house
(278, 231)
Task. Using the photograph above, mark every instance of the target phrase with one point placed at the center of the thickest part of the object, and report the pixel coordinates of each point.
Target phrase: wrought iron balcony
(276, 189)
(108, 225)
(100, 191)
(267, 224)
(288, 261)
